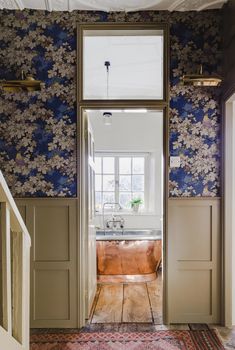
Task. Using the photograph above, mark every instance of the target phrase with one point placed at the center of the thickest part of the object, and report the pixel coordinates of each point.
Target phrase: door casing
(162, 105)
(82, 215)
(228, 130)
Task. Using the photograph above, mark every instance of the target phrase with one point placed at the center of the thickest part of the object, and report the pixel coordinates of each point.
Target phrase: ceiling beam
(48, 5)
(175, 4)
(19, 4)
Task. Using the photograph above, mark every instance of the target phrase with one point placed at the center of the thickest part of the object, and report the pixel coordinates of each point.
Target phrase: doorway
(123, 177)
(123, 190)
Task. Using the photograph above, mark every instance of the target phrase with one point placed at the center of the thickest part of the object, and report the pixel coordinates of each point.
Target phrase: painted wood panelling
(52, 226)
(194, 260)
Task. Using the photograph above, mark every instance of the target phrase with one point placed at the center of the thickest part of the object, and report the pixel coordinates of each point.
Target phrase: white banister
(6, 267)
(15, 266)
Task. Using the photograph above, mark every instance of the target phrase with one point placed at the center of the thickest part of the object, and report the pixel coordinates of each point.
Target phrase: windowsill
(129, 213)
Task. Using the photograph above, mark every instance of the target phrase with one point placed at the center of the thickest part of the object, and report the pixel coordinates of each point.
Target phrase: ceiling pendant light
(107, 118)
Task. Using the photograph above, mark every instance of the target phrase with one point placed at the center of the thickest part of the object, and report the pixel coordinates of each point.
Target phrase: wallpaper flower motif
(195, 112)
(38, 129)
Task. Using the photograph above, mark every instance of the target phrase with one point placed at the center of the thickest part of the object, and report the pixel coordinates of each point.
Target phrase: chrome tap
(115, 220)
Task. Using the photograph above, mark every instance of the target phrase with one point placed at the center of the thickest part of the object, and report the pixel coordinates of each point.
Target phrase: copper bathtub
(131, 256)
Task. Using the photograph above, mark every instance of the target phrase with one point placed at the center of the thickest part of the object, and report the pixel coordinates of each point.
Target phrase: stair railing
(14, 274)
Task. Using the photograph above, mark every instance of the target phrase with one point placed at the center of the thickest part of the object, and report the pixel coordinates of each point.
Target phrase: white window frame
(116, 156)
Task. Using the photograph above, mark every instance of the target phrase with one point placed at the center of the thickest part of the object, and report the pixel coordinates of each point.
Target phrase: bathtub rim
(119, 236)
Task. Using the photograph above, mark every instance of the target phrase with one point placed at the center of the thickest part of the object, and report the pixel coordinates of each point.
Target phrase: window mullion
(117, 179)
(131, 177)
(146, 182)
(102, 189)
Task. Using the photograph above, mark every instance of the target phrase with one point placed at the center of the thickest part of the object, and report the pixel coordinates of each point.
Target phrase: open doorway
(123, 151)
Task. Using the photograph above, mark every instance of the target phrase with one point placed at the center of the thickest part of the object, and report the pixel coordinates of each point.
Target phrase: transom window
(123, 63)
(120, 178)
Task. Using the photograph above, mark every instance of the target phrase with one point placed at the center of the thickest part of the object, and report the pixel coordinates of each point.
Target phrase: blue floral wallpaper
(195, 112)
(38, 129)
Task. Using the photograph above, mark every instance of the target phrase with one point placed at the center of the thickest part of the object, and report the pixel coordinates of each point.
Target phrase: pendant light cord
(107, 84)
(107, 65)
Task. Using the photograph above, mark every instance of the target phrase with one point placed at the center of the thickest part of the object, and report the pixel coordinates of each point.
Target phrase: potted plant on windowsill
(135, 204)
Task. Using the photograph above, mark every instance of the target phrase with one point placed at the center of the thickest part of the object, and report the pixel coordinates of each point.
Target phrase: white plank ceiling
(112, 5)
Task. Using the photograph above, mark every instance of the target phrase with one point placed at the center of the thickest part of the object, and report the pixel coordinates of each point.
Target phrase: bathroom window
(120, 178)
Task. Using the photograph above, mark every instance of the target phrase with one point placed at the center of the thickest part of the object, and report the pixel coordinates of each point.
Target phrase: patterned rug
(158, 340)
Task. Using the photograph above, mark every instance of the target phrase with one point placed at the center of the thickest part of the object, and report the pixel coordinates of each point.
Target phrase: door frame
(162, 105)
(82, 211)
(226, 197)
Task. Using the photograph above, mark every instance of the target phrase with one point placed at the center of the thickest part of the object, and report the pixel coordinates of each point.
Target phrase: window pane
(135, 59)
(125, 183)
(108, 197)
(108, 165)
(98, 183)
(138, 195)
(98, 165)
(125, 166)
(108, 183)
(124, 200)
(138, 165)
(138, 183)
(98, 201)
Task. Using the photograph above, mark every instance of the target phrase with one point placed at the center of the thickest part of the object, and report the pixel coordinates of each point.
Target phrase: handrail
(16, 220)
(15, 270)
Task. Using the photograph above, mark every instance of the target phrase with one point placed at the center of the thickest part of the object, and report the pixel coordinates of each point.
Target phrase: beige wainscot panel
(52, 226)
(194, 261)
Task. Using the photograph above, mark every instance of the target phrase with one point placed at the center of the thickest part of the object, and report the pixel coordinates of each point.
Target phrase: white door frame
(82, 210)
(229, 211)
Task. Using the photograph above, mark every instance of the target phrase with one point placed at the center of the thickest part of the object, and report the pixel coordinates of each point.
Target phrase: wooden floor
(128, 302)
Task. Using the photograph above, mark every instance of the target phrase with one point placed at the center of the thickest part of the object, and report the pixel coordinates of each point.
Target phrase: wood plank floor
(128, 303)
(109, 304)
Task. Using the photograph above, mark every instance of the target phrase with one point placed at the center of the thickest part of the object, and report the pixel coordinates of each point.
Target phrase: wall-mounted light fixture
(201, 79)
(27, 83)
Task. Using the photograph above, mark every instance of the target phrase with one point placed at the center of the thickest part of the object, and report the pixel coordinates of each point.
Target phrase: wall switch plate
(174, 162)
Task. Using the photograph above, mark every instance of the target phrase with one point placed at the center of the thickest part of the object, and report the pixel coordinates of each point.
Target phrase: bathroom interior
(125, 158)
(128, 214)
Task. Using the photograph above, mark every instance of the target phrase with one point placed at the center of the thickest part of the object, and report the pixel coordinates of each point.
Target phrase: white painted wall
(135, 132)
(229, 213)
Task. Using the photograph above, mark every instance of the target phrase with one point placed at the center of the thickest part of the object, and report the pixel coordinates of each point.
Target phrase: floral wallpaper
(38, 129)
(194, 111)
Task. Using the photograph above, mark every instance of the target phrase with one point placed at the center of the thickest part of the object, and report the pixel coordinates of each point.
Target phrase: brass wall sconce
(201, 79)
(27, 83)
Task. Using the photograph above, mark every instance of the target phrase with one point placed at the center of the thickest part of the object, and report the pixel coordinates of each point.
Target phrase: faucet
(114, 220)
